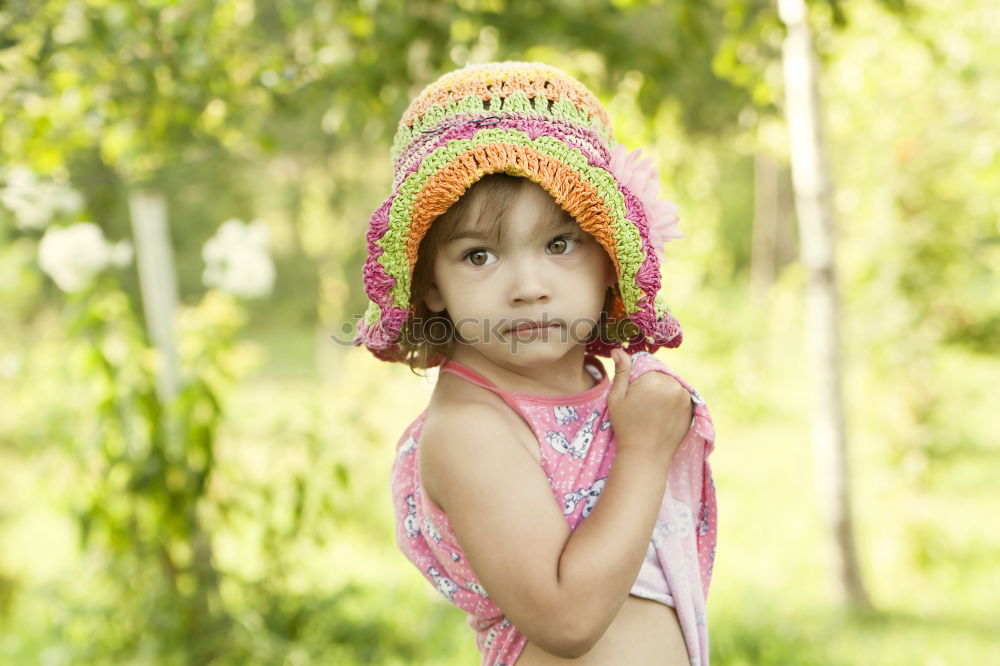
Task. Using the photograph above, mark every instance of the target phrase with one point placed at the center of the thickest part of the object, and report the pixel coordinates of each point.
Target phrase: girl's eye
(477, 257)
(563, 244)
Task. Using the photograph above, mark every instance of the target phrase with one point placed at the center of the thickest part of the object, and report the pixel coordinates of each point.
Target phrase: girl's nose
(528, 283)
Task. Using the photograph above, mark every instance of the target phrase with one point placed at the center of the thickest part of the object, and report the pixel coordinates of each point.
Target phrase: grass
(333, 589)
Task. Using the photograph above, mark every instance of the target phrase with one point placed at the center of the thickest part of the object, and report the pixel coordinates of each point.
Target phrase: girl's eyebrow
(473, 234)
(481, 231)
(559, 220)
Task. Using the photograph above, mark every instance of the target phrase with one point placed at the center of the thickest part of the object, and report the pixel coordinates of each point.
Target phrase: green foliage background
(262, 533)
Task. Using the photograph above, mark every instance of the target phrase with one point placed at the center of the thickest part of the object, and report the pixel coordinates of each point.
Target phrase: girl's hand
(650, 415)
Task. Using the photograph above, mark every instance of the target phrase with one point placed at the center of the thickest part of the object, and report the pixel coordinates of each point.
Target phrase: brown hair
(428, 336)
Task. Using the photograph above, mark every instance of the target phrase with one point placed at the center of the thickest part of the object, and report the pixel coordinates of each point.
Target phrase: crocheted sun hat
(538, 122)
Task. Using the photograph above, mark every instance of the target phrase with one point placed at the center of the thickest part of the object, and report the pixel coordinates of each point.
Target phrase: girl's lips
(533, 326)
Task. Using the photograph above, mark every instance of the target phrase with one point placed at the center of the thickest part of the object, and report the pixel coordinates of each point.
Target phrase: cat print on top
(564, 414)
(581, 441)
(588, 495)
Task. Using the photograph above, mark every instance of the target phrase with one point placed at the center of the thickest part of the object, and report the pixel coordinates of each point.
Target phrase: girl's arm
(561, 589)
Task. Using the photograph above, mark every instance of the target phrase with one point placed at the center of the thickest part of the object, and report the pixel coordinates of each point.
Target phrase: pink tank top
(577, 447)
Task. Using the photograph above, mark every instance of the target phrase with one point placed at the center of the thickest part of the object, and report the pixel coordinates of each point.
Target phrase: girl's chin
(530, 351)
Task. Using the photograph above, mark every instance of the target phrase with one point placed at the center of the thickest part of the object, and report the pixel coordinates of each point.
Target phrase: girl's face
(526, 292)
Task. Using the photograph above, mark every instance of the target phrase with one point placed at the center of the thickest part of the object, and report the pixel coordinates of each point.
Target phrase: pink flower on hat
(639, 176)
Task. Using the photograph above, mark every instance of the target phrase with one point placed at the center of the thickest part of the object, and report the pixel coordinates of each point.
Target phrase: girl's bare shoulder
(457, 405)
(467, 422)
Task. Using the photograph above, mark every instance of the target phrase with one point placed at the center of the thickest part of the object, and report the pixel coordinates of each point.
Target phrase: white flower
(35, 203)
(237, 259)
(72, 256)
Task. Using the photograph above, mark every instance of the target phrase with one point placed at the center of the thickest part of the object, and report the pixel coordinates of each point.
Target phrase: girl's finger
(623, 364)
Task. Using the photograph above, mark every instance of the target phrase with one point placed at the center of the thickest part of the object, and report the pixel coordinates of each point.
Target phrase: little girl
(571, 516)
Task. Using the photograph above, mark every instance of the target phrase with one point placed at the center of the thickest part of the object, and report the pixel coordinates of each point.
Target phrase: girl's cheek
(471, 330)
(582, 328)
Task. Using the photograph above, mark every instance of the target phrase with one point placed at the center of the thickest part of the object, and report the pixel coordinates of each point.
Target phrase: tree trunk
(207, 624)
(158, 282)
(813, 201)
